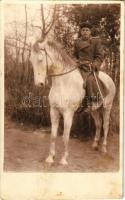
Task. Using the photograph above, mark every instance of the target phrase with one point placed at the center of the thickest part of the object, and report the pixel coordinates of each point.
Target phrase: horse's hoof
(104, 150)
(63, 162)
(49, 160)
(95, 145)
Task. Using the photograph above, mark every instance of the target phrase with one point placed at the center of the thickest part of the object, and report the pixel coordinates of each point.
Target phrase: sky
(14, 19)
(15, 14)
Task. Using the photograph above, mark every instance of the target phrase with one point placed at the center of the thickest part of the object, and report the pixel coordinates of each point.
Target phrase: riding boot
(83, 105)
(91, 89)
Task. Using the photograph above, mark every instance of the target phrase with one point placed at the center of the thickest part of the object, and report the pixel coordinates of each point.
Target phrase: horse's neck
(58, 65)
(70, 79)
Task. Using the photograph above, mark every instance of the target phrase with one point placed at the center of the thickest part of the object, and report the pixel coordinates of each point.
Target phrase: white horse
(49, 59)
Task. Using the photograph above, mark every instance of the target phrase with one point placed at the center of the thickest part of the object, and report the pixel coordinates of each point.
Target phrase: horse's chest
(65, 97)
(67, 90)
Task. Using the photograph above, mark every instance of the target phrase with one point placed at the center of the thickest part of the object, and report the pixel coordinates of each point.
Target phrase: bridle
(47, 66)
(46, 54)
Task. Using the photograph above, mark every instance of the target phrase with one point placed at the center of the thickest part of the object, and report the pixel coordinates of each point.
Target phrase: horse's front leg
(54, 114)
(68, 118)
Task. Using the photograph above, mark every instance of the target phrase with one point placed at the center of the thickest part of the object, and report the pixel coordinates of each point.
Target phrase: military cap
(86, 25)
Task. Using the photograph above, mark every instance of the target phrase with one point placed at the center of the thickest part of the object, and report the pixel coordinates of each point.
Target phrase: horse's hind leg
(106, 117)
(54, 114)
(98, 123)
(68, 117)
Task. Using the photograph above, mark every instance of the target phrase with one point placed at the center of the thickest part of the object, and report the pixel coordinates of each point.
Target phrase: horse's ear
(42, 44)
(50, 36)
(37, 45)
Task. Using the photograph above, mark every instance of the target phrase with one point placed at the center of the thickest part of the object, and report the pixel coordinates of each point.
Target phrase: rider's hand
(94, 66)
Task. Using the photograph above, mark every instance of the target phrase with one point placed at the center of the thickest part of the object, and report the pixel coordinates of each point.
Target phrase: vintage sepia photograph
(62, 88)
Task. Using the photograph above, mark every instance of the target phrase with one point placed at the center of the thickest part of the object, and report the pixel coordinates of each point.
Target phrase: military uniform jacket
(89, 51)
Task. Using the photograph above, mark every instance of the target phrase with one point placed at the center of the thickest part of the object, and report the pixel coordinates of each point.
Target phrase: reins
(61, 74)
(97, 83)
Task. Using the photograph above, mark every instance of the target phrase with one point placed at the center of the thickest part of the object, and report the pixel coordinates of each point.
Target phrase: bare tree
(46, 25)
(25, 35)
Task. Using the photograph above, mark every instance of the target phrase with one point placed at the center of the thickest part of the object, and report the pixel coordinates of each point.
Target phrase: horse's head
(49, 58)
(39, 62)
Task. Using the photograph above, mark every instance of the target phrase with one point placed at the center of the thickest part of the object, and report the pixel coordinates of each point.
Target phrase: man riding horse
(66, 93)
(89, 52)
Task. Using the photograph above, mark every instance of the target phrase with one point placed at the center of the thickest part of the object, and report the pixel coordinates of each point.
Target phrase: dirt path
(26, 150)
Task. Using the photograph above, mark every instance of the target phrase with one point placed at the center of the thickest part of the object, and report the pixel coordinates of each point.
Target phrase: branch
(17, 39)
(53, 20)
(25, 37)
(43, 21)
(18, 47)
(35, 26)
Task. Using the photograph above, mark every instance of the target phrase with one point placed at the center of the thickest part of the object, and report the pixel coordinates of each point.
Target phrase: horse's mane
(60, 54)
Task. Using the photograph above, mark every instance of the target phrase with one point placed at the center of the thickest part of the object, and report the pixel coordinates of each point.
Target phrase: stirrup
(88, 109)
(80, 109)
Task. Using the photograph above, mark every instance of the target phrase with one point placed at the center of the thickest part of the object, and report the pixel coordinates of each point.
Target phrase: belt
(85, 62)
